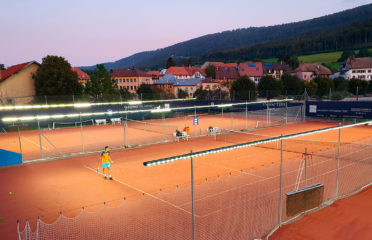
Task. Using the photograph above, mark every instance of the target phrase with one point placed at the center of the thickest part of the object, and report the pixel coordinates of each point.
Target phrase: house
(253, 70)
(83, 78)
(226, 75)
(218, 64)
(309, 71)
(130, 79)
(171, 84)
(275, 69)
(186, 72)
(16, 82)
(210, 84)
(360, 68)
(155, 75)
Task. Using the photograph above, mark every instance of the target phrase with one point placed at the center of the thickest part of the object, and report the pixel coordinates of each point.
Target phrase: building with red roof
(16, 83)
(309, 71)
(130, 78)
(82, 76)
(186, 72)
(218, 64)
(155, 75)
(253, 70)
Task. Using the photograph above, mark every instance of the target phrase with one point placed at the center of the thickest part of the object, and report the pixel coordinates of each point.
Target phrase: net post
(19, 140)
(281, 181)
(164, 126)
(222, 118)
(305, 167)
(81, 132)
(338, 159)
(192, 196)
(232, 121)
(41, 145)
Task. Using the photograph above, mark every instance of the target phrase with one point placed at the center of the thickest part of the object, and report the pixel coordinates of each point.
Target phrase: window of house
(242, 69)
(135, 87)
(369, 71)
(354, 71)
(134, 80)
(131, 87)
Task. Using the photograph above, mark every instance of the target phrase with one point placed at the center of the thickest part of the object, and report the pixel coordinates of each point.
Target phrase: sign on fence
(196, 120)
(339, 109)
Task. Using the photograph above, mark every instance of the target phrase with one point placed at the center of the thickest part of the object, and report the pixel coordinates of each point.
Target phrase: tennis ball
(10, 193)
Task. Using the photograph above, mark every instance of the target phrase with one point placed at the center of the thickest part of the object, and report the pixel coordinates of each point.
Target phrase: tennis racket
(97, 171)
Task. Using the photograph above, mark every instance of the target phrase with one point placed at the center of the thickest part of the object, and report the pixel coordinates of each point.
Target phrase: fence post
(286, 111)
(196, 131)
(46, 100)
(267, 114)
(281, 181)
(305, 167)
(223, 125)
(338, 159)
(246, 115)
(164, 127)
(41, 145)
(232, 121)
(81, 131)
(192, 197)
(19, 140)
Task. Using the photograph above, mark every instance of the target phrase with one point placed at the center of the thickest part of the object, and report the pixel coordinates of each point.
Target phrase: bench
(184, 136)
(99, 121)
(115, 120)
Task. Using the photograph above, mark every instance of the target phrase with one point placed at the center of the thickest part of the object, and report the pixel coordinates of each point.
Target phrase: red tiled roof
(359, 63)
(227, 73)
(82, 75)
(13, 70)
(209, 80)
(316, 68)
(124, 72)
(155, 73)
(178, 71)
(251, 69)
(193, 70)
(222, 64)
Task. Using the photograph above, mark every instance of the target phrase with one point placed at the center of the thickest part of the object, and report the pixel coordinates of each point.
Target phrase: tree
(126, 95)
(189, 61)
(182, 93)
(243, 88)
(2, 67)
(358, 86)
(311, 87)
(364, 52)
(345, 55)
(324, 86)
(370, 86)
(292, 61)
(210, 71)
(292, 85)
(170, 63)
(101, 85)
(269, 87)
(55, 77)
(340, 84)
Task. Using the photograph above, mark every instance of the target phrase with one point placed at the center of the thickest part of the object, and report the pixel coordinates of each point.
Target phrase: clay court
(232, 188)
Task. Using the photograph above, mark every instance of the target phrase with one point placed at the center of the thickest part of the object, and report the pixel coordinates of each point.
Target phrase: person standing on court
(106, 161)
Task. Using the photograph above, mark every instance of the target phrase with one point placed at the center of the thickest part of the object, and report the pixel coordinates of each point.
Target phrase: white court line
(231, 169)
(145, 193)
(29, 140)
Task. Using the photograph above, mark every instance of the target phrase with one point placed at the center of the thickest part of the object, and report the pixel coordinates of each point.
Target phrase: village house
(83, 78)
(171, 85)
(155, 75)
(309, 71)
(275, 69)
(252, 70)
(226, 75)
(186, 72)
(16, 83)
(360, 68)
(130, 79)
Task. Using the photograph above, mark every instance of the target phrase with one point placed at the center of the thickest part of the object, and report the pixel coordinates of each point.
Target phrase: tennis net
(56, 125)
(295, 145)
(160, 128)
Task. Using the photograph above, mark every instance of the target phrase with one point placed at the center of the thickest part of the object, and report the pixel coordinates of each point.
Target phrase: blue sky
(87, 32)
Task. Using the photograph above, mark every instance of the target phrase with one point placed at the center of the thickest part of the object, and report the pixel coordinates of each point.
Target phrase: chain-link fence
(239, 191)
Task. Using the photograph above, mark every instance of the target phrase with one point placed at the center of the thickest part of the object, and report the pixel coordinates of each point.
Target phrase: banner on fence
(339, 109)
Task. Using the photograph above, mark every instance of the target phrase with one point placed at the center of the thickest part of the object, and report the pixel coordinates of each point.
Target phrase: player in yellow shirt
(106, 161)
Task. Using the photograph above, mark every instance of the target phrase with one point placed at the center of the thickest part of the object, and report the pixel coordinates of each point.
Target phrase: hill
(197, 47)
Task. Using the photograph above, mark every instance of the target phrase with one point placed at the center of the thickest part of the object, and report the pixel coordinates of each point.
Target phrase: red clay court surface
(44, 189)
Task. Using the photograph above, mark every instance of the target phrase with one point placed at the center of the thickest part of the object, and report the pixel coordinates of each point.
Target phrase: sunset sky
(87, 32)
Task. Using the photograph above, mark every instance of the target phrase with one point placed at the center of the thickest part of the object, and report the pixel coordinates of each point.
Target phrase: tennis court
(155, 202)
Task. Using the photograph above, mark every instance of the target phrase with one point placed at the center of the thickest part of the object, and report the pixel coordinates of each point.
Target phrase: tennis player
(106, 161)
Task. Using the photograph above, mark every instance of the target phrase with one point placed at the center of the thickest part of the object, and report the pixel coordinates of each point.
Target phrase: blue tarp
(9, 158)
